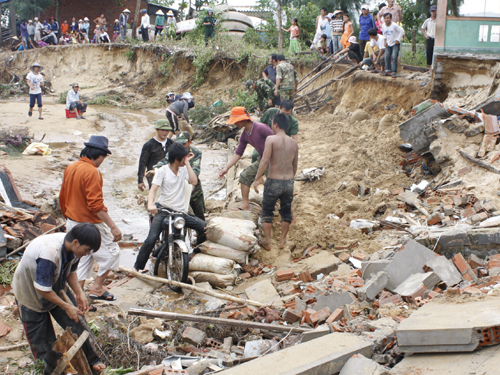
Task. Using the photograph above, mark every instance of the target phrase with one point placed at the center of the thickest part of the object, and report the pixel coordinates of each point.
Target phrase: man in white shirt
(393, 34)
(73, 101)
(170, 180)
(374, 51)
(34, 79)
(429, 30)
(38, 29)
(145, 25)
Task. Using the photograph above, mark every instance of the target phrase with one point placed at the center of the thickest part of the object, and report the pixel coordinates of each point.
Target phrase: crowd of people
(379, 41)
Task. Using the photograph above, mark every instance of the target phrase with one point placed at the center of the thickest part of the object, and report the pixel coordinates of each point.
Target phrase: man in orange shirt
(81, 200)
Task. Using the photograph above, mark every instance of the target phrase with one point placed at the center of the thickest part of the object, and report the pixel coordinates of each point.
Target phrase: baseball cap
(364, 6)
(434, 7)
(183, 137)
(352, 39)
(238, 114)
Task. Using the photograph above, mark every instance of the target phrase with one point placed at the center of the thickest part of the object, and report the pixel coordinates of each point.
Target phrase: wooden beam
(479, 162)
(220, 321)
(191, 287)
(68, 356)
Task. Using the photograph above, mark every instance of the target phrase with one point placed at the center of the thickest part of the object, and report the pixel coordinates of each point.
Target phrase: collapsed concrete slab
(447, 326)
(416, 283)
(324, 262)
(333, 301)
(370, 268)
(408, 261)
(484, 362)
(360, 365)
(264, 292)
(446, 270)
(324, 355)
(374, 286)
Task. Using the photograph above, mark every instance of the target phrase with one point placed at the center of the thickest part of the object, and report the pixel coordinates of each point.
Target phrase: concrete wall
(462, 35)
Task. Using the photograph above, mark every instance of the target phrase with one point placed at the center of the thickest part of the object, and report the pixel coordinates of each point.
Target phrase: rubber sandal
(384, 74)
(30, 113)
(106, 296)
(92, 308)
(40, 118)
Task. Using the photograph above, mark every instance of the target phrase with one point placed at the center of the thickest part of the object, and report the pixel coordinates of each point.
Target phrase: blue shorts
(38, 98)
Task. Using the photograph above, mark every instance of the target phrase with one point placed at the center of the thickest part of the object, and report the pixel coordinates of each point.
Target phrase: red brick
(307, 315)
(433, 200)
(452, 291)
(463, 267)
(355, 281)
(433, 219)
(475, 263)
(398, 191)
(395, 299)
(493, 264)
(469, 211)
(305, 277)
(447, 201)
(471, 290)
(418, 295)
(344, 257)
(320, 316)
(489, 207)
(359, 255)
(249, 311)
(291, 315)
(457, 200)
(4, 329)
(478, 207)
(495, 257)
(338, 314)
(244, 276)
(169, 371)
(432, 294)
(284, 275)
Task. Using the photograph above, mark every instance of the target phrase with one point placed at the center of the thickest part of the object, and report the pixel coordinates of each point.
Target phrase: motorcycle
(172, 250)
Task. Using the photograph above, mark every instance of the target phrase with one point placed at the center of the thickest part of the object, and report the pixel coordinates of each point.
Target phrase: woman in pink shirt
(294, 36)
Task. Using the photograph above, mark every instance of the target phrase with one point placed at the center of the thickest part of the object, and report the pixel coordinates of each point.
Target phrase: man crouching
(281, 153)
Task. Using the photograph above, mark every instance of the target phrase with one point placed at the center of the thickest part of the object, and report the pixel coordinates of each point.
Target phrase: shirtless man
(281, 153)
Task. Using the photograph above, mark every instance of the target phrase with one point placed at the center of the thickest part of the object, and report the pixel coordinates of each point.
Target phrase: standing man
(337, 27)
(209, 23)
(153, 152)
(287, 79)
(24, 34)
(281, 154)
(170, 180)
(31, 32)
(270, 71)
(197, 201)
(429, 30)
(392, 8)
(265, 93)
(34, 79)
(393, 34)
(47, 264)
(123, 19)
(86, 25)
(81, 200)
(73, 101)
(254, 133)
(54, 26)
(145, 25)
(286, 107)
(38, 29)
(366, 22)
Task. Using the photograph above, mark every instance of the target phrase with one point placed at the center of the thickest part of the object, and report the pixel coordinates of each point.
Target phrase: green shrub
(244, 99)
(418, 58)
(62, 97)
(130, 54)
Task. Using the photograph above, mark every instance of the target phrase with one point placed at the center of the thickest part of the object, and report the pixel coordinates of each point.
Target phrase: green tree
(306, 17)
(349, 6)
(30, 8)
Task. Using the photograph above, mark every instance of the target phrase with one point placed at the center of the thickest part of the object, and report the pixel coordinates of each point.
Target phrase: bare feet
(245, 207)
(283, 243)
(265, 244)
(98, 367)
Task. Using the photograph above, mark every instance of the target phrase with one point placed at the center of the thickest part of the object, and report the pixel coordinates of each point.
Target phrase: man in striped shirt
(337, 26)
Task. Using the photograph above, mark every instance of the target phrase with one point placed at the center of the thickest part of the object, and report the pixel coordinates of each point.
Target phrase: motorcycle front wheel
(161, 260)
(180, 267)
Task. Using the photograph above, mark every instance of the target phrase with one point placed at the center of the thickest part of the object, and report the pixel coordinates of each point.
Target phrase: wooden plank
(68, 356)
(414, 68)
(479, 162)
(207, 319)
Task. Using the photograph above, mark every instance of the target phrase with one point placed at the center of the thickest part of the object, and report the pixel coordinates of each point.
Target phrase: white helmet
(187, 96)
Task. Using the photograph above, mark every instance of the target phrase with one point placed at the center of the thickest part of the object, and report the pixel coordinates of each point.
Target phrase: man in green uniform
(197, 201)
(209, 23)
(286, 107)
(286, 79)
(264, 88)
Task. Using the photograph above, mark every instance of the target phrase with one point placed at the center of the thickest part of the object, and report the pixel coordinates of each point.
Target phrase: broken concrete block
(371, 268)
(291, 315)
(447, 326)
(284, 275)
(474, 129)
(264, 292)
(414, 283)
(359, 115)
(454, 238)
(475, 262)
(315, 333)
(374, 286)
(306, 358)
(408, 261)
(324, 262)
(194, 336)
(445, 269)
(478, 217)
(333, 301)
(320, 316)
(360, 365)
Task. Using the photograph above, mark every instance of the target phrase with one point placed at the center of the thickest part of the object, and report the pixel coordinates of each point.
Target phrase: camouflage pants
(263, 104)
(197, 201)
(287, 94)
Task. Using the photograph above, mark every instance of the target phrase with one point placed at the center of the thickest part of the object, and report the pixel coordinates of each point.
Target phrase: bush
(418, 58)
(62, 97)
(244, 99)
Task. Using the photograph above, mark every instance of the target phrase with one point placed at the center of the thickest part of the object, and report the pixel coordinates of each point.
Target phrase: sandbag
(243, 215)
(231, 236)
(248, 224)
(214, 279)
(208, 263)
(221, 251)
(254, 207)
(252, 197)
